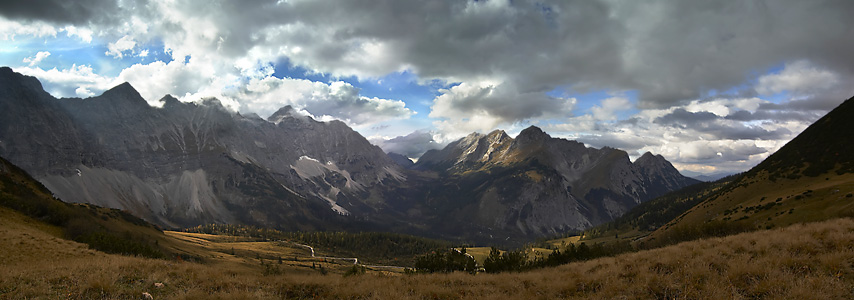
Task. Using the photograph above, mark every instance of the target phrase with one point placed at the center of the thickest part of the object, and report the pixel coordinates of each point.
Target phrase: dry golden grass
(564, 241)
(480, 253)
(813, 261)
(806, 199)
(239, 253)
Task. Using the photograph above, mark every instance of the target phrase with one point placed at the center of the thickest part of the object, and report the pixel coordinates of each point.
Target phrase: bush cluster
(446, 261)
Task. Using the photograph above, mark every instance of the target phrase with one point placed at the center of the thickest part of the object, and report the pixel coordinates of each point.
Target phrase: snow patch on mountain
(308, 168)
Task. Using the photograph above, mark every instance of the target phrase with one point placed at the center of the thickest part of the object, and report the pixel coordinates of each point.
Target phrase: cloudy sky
(714, 86)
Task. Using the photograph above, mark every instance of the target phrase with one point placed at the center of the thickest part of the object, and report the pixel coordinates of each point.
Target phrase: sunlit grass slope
(812, 261)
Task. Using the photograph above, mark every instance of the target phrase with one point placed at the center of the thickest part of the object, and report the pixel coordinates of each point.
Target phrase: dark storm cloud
(720, 127)
(667, 50)
(777, 116)
(741, 152)
(739, 131)
(679, 49)
(817, 105)
(681, 116)
(627, 143)
(58, 11)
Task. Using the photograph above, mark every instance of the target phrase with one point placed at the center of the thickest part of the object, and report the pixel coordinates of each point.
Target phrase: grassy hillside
(108, 230)
(756, 202)
(824, 147)
(645, 218)
(809, 179)
(810, 261)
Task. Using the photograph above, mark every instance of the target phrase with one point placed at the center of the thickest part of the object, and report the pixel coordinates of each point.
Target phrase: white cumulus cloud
(800, 77)
(36, 59)
(117, 48)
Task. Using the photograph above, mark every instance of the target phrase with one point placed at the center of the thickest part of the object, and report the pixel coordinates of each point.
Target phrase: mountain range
(539, 185)
(186, 164)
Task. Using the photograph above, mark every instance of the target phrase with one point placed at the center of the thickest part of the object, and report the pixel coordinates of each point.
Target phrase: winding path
(354, 259)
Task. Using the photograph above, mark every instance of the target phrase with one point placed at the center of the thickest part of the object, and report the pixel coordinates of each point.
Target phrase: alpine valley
(187, 164)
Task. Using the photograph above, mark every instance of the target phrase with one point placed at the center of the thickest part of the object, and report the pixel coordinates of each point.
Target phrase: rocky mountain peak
(660, 173)
(6, 73)
(654, 161)
(169, 101)
(213, 102)
(287, 112)
(124, 89)
(126, 94)
(10, 79)
(282, 112)
(470, 139)
(532, 134)
(497, 136)
(648, 159)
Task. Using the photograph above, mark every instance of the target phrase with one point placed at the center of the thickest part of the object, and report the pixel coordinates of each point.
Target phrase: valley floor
(812, 261)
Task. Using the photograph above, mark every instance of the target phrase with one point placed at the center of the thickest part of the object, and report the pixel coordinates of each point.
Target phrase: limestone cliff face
(539, 185)
(186, 163)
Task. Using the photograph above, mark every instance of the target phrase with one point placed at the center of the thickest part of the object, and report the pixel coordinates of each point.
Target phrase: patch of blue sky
(66, 52)
(112, 66)
(586, 101)
(775, 69)
(13, 52)
(63, 50)
(778, 98)
(403, 86)
(154, 52)
(285, 69)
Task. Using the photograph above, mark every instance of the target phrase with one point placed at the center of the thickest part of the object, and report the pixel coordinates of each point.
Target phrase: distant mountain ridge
(536, 184)
(710, 177)
(187, 164)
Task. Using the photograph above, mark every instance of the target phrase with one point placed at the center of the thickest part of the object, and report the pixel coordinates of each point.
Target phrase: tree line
(516, 261)
(446, 261)
(498, 261)
(382, 247)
